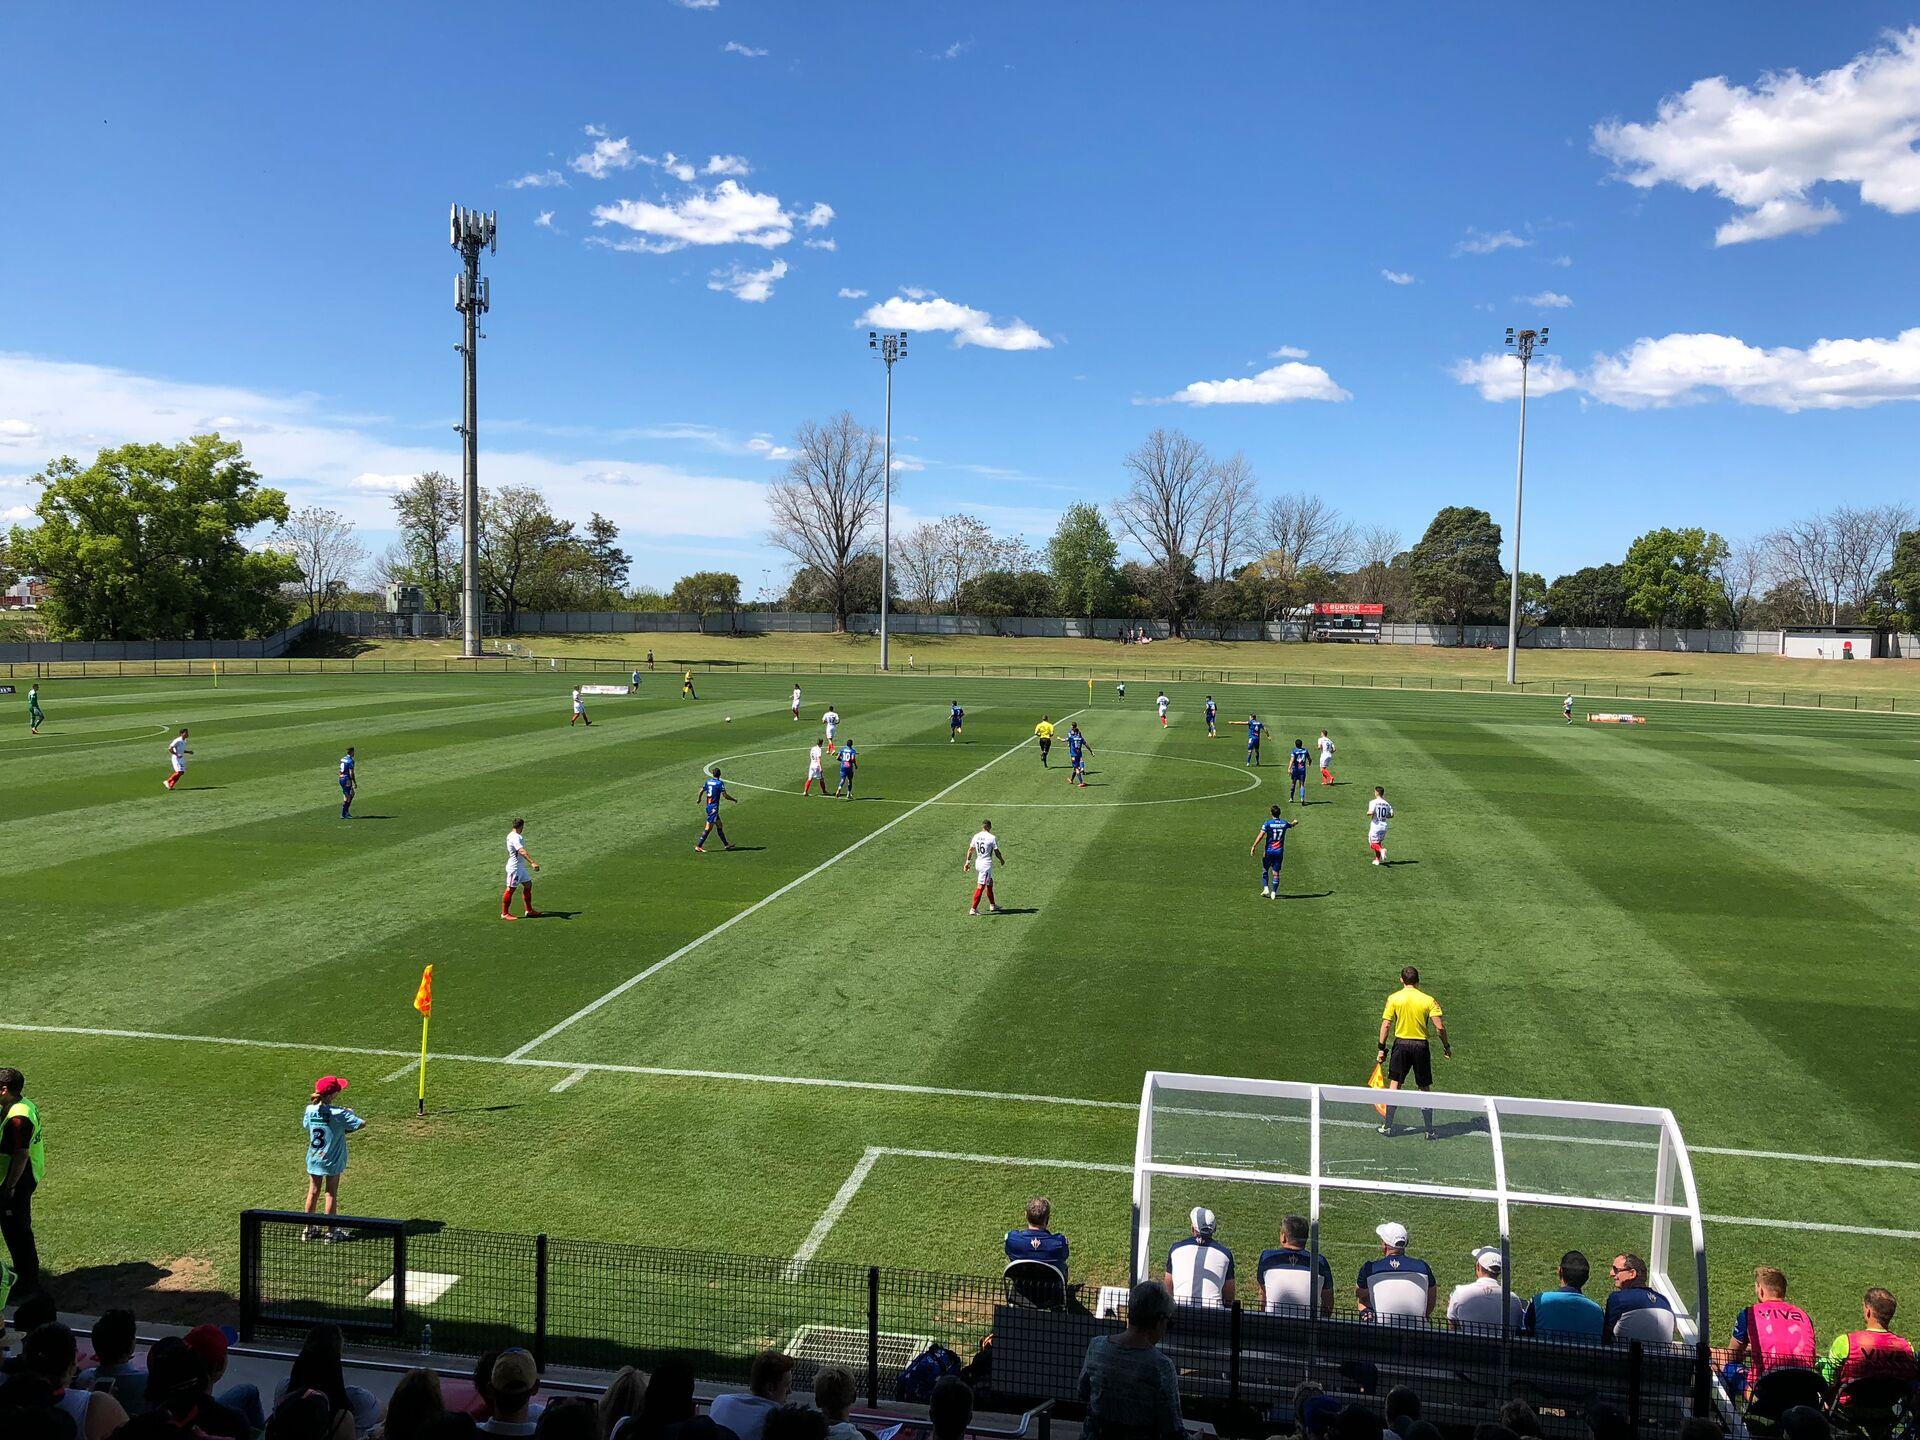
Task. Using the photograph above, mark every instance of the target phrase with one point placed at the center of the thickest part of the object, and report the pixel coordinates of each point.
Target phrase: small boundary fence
(665, 669)
(430, 1288)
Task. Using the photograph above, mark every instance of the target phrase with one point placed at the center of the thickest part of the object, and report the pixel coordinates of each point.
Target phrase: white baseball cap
(1487, 1257)
(1203, 1220)
(1391, 1233)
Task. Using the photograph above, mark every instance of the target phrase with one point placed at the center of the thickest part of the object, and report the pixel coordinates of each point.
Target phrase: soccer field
(805, 1045)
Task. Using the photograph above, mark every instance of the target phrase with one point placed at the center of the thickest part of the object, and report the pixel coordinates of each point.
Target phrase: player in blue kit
(1254, 726)
(1272, 835)
(712, 791)
(849, 758)
(1213, 718)
(1077, 752)
(348, 783)
(956, 719)
(1297, 771)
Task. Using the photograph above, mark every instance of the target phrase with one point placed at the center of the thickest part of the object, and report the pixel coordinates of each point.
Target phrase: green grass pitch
(1714, 912)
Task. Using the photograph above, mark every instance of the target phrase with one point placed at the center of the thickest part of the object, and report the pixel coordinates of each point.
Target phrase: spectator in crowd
(621, 1401)
(1479, 1300)
(1200, 1270)
(309, 1415)
(415, 1408)
(1493, 1430)
(951, 1408)
(1034, 1241)
(1521, 1418)
(1285, 1272)
(510, 1390)
(482, 1407)
(113, 1369)
(1403, 1409)
(769, 1382)
(209, 1342)
(1564, 1310)
(836, 1392)
(27, 1411)
(1872, 1352)
(1768, 1334)
(1317, 1417)
(23, 1164)
(29, 1315)
(177, 1383)
(318, 1366)
(794, 1421)
(1129, 1387)
(570, 1417)
(50, 1353)
(1631, 1292)
(1607, 1421)
(1700, 1427)
(1394, 1284)
(1356, 1422)
(667, 1409)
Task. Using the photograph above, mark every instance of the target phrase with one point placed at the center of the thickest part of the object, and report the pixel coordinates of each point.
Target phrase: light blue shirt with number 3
(327, 1129)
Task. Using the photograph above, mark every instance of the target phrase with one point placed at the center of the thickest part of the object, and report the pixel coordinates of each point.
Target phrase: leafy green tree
(1007, 592)
(1082, 557)
(517, 532)
(607, 561)
(1903, 577)
(1457, 575)
(428, 512)
(708, 592)
(1670, 578)
(1596, 595)
(147, 543)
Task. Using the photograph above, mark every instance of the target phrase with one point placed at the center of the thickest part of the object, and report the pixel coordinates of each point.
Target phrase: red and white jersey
(1326, 751)
(796, 697)
(579, 705)
(1378, 811)
(1162, 704)
(813, 760)
(178, 751)
(830, 719)
(984, 845)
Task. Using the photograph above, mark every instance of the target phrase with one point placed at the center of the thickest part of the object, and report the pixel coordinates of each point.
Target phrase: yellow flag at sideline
(1377, 1081)
(423, 1002)
(423, 997)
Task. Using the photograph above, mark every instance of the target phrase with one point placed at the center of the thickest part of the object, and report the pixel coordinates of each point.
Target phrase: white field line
(836, 1207)
(732, 920)
(406, 1069)
(889, 1087)
(567, 1081)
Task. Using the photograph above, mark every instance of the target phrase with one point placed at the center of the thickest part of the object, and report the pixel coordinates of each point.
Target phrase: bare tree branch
(1169, 504)
(825, 508)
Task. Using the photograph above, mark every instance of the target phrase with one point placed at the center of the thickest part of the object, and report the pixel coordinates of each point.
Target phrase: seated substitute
(1564, 1310)
(1633, 1294)
(1199, 1269)
(1478, 1301)
(1871, 1353)
(1770, 1334)
(1034, 1241)
(1289, 1275)
(1394, 1285)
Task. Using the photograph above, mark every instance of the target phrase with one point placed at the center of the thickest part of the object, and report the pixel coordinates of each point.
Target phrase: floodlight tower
(891, 348)
(1523, 343)
(472, 232)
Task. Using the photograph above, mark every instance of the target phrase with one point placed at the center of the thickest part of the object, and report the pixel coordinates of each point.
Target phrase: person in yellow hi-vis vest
(23, 1153)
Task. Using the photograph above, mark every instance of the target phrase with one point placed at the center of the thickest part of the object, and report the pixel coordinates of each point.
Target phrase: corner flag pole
(423, 1002)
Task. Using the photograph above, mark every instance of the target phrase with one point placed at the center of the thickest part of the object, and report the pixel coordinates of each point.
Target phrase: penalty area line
(732, 920)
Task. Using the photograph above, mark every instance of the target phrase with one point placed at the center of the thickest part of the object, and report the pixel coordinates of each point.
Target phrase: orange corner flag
(1375, 1081)
(423, 997)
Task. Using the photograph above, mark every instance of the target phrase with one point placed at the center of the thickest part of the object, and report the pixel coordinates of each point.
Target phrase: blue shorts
(846, 773)
(1298, 772)
(1273, 860)
(713, 814)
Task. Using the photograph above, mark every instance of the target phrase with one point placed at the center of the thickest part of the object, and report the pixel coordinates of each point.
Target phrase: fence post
(540, 1302)
(249, 1274)
(1702, 1379)
(1636, 1356)
(400, 1284)
(1233, 1367)
(873, 1335)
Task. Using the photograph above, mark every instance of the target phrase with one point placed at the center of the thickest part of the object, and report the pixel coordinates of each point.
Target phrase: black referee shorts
(1411, 1056)
(1045, 746)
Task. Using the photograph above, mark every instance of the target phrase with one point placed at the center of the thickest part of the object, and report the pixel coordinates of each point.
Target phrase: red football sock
(506, 900)
(978, 890)
(1375, 849)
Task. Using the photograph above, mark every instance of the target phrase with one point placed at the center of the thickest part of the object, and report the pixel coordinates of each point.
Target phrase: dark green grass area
(1712, 913)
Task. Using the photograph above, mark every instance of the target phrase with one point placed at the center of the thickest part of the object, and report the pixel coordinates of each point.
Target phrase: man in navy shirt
(1036, 1241)
(1389, 1284)
(1563, 1310)
(1293, 1258)
(1631, 1292)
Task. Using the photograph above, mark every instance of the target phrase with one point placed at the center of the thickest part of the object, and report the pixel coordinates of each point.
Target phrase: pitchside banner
(603, 690)
(6, 689)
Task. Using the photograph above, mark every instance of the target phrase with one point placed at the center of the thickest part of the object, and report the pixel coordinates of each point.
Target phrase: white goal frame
(1668, 1157)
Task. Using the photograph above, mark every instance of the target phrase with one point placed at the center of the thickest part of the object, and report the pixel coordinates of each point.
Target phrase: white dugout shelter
(1535, 1177)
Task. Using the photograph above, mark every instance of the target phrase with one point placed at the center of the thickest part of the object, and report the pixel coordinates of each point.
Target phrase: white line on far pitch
(406, 1069)
(732, 920)
(567, 1081)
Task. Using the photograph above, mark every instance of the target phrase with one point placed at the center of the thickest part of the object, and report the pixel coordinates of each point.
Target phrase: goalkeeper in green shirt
(36, 717)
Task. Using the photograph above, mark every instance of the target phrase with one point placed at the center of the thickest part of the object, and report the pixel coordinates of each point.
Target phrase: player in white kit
(1161, 705)
(814, 776)
(1379, 812)
(520, 866)
(982, 850)
(177, 753)
(832, 721)
(1325, 742)
(579, 709)
(796, 702)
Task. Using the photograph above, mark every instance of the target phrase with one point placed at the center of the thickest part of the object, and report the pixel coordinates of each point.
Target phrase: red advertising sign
(1350, 607)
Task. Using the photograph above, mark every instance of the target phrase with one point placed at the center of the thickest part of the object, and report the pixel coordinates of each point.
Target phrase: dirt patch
(181, 1291)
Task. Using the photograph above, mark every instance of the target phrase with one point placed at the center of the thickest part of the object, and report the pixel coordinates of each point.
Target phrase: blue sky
(237, 214)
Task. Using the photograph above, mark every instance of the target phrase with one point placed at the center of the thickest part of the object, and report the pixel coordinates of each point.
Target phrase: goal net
(1535, 1178)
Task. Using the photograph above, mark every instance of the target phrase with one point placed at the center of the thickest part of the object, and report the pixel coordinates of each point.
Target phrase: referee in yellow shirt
(1044, 730)
(1404, 1023)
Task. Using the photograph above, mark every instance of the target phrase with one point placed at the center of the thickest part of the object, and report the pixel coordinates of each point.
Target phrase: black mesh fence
(594, 1304)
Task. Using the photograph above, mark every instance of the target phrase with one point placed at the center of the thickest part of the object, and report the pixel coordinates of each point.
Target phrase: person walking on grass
(712, 791)
(686, 685)
(1272, 834)
(35, 716)
(1043, 732)
(349, 783)
(520, 868)
(177, 753)
(982, 851)
(1409, 1011)
(579, 709)
(1566, 708)
(23, 1162)
(1379, 812)
(327, 1126)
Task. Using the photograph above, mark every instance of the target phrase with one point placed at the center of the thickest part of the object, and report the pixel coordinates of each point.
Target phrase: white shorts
(1376, 834)
(518, 874)
(179, 765)
(983, 875)
(813, 772)
(830, 730)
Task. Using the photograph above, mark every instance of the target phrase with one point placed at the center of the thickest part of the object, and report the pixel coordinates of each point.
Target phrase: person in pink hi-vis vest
(1769, 1334)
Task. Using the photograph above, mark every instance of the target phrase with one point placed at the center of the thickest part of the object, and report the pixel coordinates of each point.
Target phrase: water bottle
(426, 1339)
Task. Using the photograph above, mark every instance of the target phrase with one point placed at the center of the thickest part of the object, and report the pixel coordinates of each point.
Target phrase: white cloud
(1281, 384)
(606, 156)
(1764, 148)
(916, 309)
(698, 4)
(821, 214)
(17, 513)
(768, 449)
(907, 464)
(1396, 277)
(1545, 300)
(1287, 352)
(322, 459)
(18, 432)
(734, 47)
(537, 180)
(380, 484)
(827, 244)
(725, 165)
(955, 50)
(1482, 242)
(729, 214)
(674, 165)
(1683, 369)
(846, 294)
(750, 285)
(544, 220)
(1563, 261)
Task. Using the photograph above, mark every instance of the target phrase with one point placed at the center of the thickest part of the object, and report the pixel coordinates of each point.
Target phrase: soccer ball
(729, 719)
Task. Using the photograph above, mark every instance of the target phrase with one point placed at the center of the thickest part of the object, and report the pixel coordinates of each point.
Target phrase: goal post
(1535, 1177)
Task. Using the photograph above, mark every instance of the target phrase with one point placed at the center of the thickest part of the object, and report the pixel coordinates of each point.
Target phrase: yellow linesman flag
(423, 997)
(1375, 1081)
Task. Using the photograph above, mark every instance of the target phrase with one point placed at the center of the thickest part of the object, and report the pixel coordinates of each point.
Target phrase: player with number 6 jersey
(982, 850)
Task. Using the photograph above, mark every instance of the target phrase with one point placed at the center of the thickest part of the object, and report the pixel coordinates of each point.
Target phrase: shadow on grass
(1389, 864)
(178, 1291)
(1315, 895)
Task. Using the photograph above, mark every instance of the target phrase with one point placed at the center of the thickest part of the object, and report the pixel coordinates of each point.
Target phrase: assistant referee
(1044, 732)
(1404, 1022)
